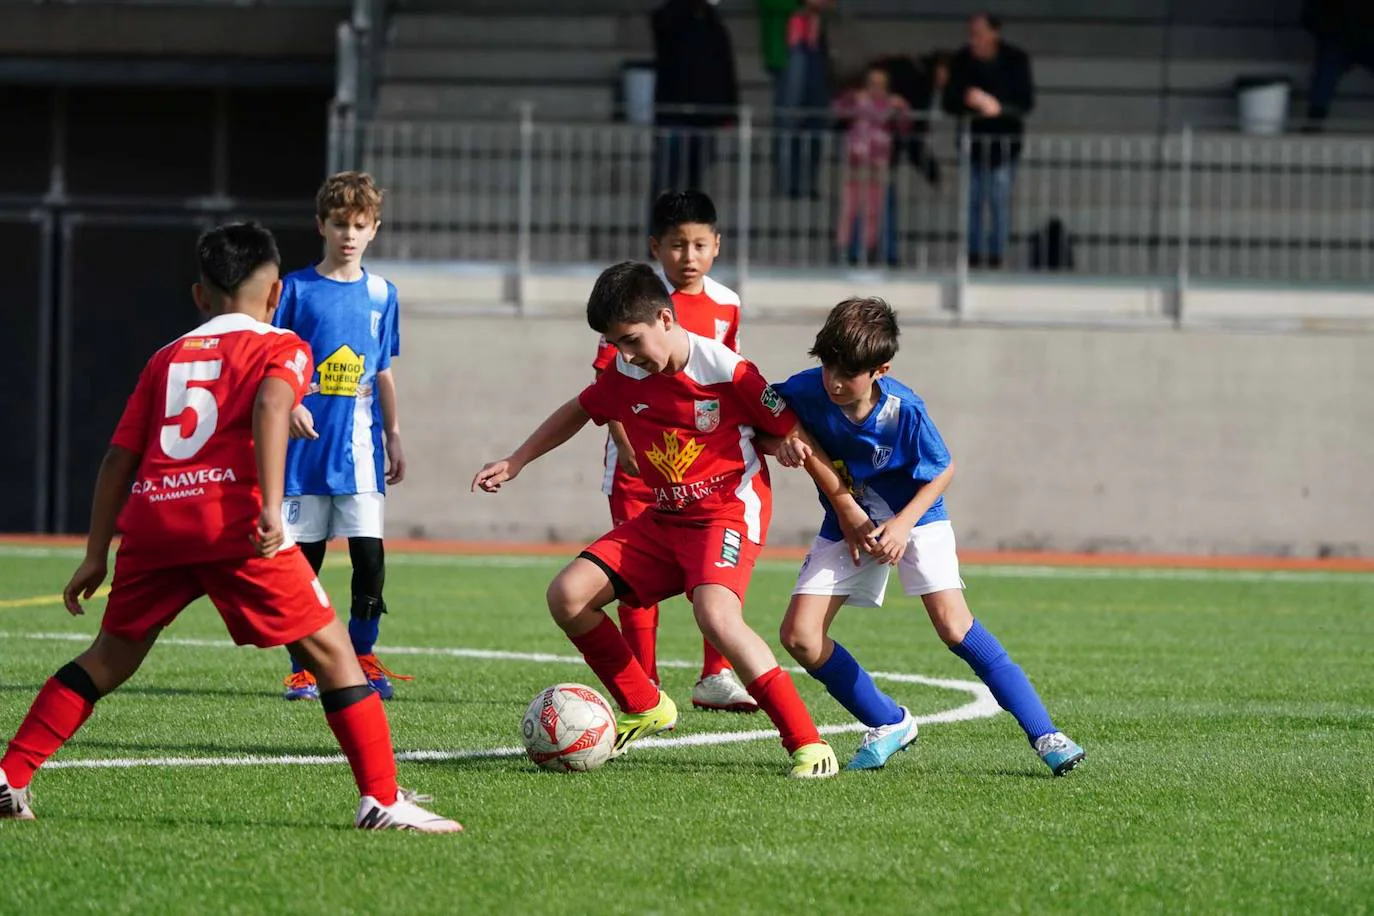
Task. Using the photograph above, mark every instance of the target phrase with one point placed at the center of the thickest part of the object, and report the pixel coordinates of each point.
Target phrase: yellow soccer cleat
(631, 726)
(814, 761)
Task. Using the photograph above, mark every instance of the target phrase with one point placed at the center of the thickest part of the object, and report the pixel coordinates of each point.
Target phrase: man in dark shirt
(991, 89)
(695, 90)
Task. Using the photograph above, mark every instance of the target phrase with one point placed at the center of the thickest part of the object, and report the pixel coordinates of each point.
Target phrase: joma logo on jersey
(675, 458)
(729, 549)
(341, 372)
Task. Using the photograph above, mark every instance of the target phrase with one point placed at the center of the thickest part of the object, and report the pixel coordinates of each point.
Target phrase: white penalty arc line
(981, 706)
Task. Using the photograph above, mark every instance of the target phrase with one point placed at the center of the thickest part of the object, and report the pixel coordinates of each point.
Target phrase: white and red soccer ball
(569, 727)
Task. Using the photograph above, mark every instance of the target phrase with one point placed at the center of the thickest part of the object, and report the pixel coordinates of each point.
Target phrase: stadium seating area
(1107, 65)
(1113, 78)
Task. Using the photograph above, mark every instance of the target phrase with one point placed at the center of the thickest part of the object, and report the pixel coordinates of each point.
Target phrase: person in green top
(773, 16)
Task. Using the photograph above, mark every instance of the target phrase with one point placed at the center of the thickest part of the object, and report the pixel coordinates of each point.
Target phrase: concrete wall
(1206, 441)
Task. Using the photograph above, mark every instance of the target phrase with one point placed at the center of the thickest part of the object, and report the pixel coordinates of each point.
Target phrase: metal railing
(1180, 204)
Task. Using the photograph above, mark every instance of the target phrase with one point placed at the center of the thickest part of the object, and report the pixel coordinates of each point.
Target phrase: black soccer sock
(369, 575)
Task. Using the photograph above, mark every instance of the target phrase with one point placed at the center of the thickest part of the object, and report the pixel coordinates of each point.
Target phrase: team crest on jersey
(376, 324)
(293, 511)
(722, 329)
(882, 454)
(707, 415)
(772, 401)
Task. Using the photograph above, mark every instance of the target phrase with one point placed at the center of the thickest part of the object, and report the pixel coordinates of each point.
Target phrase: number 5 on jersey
(200, 401)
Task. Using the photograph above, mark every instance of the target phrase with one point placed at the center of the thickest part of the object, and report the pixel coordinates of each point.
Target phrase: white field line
(981, 706)
(977, 570)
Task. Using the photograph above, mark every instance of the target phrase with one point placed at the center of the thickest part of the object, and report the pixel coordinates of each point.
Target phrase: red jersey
(692, 433)
(196, 498)
(712, 313)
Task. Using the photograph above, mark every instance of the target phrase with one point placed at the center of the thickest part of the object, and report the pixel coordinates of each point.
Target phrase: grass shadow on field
(163, 749)
(149, 817)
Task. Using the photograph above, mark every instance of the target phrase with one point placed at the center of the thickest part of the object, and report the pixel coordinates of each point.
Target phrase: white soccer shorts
(930, 564)
(310, 519)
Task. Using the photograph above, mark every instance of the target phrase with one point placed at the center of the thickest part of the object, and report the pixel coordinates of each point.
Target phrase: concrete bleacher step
(1124, 257)
(631, 34)
(1215, 11)
(455, 30)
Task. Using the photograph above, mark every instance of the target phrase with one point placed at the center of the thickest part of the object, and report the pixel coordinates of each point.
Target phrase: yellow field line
(40, 600)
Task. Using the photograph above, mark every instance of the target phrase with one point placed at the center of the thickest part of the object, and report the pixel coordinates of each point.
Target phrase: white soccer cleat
(403, 814)
(14, 803)
(723, 692)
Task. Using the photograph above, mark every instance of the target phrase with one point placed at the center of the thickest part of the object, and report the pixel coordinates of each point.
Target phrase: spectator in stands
(773, 18)
(990, 87)
(920, 82)
(695, 90)
(1344, 33)
(874, 117)
(804, 99)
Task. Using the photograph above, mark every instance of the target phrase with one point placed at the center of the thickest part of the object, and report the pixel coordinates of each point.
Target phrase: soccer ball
(569, 727)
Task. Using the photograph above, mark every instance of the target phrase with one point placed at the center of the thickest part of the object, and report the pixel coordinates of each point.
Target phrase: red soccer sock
(639, 626)
(57, 712)
(365, 737)
(712, 662)
(778, 697)
(609, 656)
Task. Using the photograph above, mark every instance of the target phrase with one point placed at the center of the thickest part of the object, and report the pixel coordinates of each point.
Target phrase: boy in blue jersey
(877, 432)
(346, 440)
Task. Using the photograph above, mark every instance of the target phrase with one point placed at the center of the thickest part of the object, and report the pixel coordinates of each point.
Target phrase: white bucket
(637, 93)
(1263, 107)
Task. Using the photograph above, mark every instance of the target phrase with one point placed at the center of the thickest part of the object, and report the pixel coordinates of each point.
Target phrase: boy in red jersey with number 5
(690, 407)
(195, 476)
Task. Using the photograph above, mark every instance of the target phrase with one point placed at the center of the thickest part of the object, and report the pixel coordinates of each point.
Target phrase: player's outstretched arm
(889, 540)
(271, 423)
(854, 521)
(560, 426)
(112, 485)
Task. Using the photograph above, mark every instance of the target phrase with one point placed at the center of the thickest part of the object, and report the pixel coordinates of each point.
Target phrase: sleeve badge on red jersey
(707, 415)
(773, 401)
(297, 365)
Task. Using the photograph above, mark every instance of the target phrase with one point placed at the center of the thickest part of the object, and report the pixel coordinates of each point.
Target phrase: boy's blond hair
(351, 194)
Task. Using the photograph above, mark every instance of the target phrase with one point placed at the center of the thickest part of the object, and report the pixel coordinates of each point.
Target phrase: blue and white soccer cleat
(882, 742)
(1059, 752)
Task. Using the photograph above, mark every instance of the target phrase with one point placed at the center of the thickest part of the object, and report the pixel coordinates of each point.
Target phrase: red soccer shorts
(264, 602)
(658, 559)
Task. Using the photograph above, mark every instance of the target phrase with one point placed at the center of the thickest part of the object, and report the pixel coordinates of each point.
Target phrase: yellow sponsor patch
(675, 457)
(341, 372)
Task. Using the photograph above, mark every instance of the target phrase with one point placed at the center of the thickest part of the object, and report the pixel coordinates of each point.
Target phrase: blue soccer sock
(853, 687)
(1006, 680)
(296, 667)
(363, 632)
